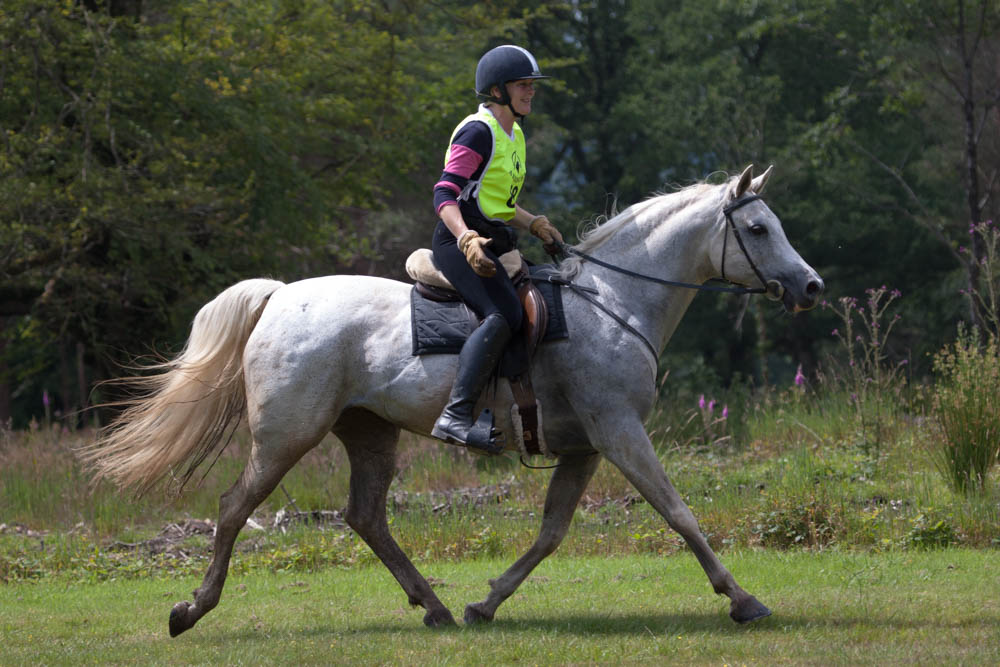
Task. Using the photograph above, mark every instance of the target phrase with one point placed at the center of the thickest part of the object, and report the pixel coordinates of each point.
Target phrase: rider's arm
(522, 219)
(466, 158)
(451, 216)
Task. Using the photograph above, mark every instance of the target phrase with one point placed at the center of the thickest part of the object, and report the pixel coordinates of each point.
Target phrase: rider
(476, 199)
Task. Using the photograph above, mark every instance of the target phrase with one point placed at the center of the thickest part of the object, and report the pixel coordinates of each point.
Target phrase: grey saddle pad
(442, 327)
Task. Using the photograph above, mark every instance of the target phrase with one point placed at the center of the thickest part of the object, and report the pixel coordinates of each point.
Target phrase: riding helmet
(501, 65)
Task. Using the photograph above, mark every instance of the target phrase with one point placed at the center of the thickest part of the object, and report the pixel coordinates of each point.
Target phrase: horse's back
(324, 344)
(329, 312)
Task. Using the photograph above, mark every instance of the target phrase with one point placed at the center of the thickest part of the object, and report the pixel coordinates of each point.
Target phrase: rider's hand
(472, 246)
(545, 230)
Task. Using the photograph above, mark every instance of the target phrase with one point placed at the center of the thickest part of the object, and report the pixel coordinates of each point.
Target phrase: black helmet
(503, 64)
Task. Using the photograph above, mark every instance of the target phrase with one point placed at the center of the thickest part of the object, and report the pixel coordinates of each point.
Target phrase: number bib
(497, 189)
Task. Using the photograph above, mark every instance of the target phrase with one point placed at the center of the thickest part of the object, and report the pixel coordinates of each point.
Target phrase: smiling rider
(476, 200)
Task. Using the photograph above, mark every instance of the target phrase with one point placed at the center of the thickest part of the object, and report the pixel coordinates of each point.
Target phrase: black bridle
(732, 288)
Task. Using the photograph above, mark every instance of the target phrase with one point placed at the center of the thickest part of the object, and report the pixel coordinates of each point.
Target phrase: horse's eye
(758, 229)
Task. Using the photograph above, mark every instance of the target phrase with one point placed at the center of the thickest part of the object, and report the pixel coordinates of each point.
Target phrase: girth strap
(527, 409)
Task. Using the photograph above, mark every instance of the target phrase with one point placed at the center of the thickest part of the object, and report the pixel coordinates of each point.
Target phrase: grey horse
(334, 354)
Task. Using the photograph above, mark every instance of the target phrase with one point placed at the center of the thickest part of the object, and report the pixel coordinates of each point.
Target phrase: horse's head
(755, 250)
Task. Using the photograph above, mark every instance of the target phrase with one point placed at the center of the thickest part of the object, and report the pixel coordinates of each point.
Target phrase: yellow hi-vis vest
(496, 190)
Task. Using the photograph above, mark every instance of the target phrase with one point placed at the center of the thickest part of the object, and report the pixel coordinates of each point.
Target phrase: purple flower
(835, 332)
(711, 405)
(725, 412)
(800, 379)
(45, 398)
(701, 402)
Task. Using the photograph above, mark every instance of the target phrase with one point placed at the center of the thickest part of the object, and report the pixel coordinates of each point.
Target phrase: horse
(333, 354)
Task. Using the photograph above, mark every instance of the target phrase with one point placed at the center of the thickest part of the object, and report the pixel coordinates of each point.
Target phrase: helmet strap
(504, 100)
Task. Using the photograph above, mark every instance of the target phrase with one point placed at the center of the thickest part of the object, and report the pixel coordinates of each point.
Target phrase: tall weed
(872, 380)
(965, 402)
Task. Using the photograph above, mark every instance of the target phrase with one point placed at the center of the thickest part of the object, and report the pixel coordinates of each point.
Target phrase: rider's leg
(476, 364)
(495, 300)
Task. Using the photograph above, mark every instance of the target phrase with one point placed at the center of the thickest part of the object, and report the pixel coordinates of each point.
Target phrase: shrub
(926, 533)
(965, 407)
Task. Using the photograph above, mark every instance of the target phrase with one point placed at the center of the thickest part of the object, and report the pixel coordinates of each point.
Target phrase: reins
(732, 289)
(587, 292)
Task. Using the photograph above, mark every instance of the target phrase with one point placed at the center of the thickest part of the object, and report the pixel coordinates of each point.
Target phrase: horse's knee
(549, 540)
(364, 520)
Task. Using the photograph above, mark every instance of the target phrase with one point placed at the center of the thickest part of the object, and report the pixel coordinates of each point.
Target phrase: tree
(152, 155)
(935, 62)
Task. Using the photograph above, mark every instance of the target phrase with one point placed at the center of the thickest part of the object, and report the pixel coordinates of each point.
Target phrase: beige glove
(544, 230)
(471, 244)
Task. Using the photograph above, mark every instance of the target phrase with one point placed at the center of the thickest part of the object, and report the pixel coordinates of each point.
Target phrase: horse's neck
(674, 249)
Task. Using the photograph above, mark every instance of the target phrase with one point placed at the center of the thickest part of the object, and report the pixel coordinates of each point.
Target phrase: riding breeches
(484, 296)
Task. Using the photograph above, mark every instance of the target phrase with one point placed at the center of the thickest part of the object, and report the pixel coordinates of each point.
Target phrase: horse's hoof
(179, 618)
(747, 611)
(475, 614)
(438, 617)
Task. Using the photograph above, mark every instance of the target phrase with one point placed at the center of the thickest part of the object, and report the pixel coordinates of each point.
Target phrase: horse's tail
(180, 408)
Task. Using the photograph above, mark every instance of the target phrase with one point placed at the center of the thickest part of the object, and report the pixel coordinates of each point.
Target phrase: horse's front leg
(633, 453)
(569, 480)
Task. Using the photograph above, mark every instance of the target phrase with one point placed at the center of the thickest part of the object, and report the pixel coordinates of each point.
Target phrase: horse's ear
(757, 184)
(744, 182)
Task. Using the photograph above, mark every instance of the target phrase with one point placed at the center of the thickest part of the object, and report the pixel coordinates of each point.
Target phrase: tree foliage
(152, 155)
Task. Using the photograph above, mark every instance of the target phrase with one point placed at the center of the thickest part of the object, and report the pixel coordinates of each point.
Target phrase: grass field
(929, 607)
(846, 529)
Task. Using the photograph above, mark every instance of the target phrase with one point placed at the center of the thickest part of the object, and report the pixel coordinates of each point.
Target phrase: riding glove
(471, 244)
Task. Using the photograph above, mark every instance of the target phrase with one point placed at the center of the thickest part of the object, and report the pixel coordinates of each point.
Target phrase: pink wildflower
(800, 379)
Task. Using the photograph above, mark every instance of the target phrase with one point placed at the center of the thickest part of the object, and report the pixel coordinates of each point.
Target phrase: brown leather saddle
(526, 412)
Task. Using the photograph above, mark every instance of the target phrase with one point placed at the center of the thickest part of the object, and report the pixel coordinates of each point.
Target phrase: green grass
(862, 548)
(831, 607)
(802, 479)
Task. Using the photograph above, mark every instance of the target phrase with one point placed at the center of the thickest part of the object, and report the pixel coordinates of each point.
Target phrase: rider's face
(521, 92)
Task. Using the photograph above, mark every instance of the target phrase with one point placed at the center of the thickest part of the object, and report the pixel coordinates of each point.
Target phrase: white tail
(181, 409)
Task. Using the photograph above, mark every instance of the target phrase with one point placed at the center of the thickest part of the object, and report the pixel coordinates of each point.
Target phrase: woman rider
(476, 199)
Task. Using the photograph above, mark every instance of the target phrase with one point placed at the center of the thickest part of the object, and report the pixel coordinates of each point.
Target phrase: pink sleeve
(463, 161)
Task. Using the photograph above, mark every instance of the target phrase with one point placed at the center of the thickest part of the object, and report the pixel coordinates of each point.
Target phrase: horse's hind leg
(371, 449)
(263, 471)
(569, 481)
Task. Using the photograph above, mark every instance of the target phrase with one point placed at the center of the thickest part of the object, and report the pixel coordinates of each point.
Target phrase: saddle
(431, 284)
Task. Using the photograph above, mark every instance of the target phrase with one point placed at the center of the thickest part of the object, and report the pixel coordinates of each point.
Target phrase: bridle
(732, 288)
(728, 212)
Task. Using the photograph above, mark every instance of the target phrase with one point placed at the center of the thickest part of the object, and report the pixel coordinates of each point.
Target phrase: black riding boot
(476, 362)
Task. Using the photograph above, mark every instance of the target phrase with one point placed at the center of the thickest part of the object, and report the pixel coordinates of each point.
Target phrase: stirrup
(483, 436)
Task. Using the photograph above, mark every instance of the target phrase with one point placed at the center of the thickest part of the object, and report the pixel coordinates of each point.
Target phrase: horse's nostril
(814, 287)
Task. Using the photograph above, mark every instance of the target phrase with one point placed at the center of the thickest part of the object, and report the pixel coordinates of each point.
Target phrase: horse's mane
(602, 228)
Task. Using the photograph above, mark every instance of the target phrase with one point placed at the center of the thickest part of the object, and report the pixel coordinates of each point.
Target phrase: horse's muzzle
(798, 300)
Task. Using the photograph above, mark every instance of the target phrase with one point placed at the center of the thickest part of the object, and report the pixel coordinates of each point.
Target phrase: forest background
(152, 154)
